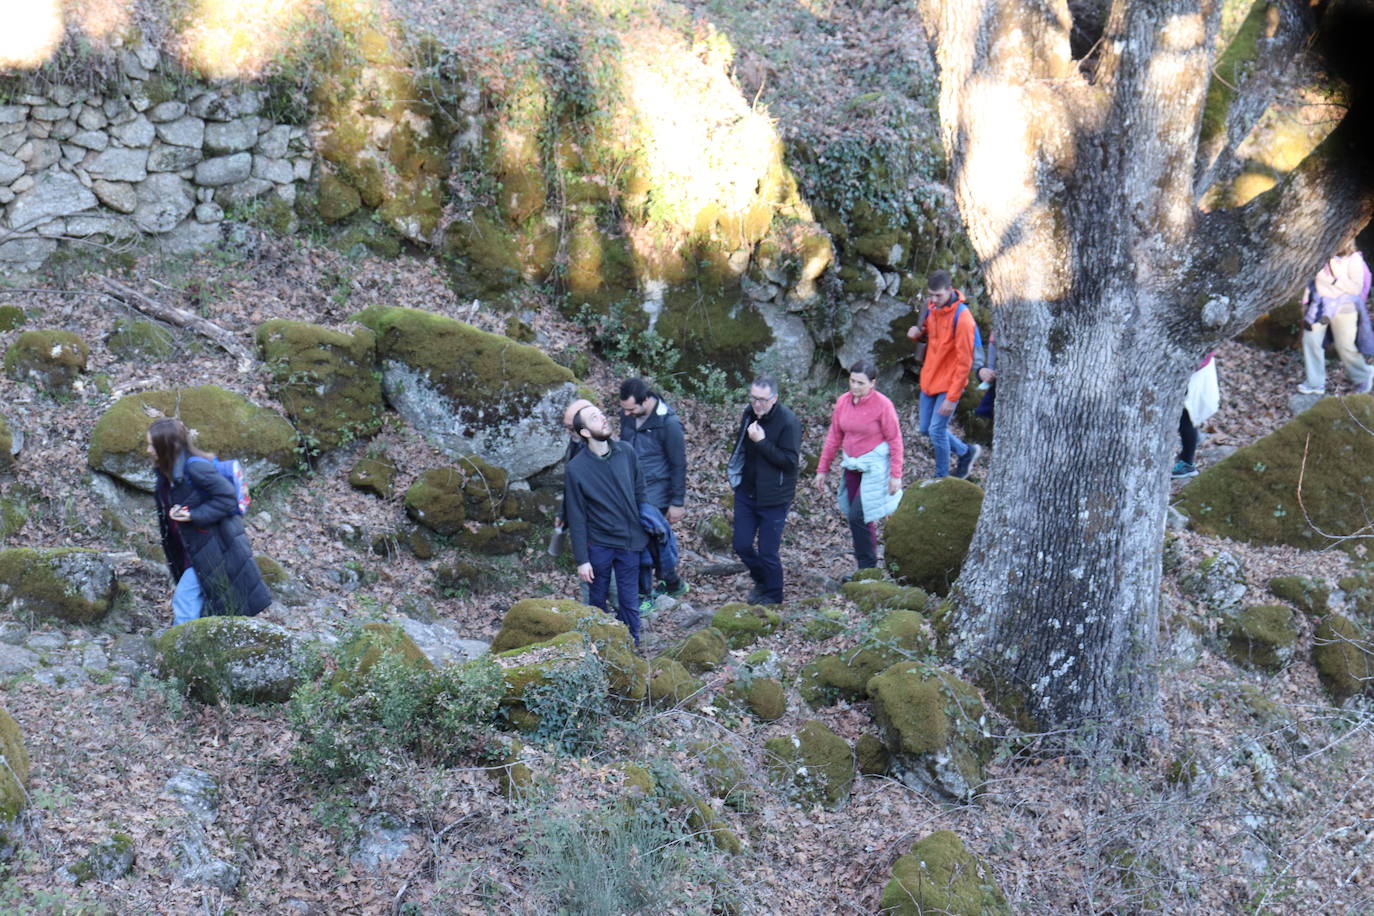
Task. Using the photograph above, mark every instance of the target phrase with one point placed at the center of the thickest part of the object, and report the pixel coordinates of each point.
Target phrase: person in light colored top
(866, 435)
(1335, 297)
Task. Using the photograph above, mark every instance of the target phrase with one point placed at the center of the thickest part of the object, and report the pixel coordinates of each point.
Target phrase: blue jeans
(766, 524)
(625, 564)
(187, 599)
(937, 428)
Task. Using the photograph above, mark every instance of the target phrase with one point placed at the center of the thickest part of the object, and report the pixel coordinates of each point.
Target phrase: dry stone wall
(160, 158)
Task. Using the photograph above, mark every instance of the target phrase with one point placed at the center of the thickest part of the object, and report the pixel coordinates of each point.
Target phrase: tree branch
(182, 319)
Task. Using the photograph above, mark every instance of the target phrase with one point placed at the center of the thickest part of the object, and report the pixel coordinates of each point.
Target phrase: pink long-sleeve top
(858, 428)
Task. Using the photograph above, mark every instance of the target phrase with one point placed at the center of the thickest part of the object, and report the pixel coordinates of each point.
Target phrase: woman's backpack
(232, 471)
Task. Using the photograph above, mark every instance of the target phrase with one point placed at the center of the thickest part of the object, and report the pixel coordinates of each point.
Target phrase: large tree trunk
(1107, 286)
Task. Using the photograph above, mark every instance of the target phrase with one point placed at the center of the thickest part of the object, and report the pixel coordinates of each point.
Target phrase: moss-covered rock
(12, 317)
(513, 775)
(443, 499)
(1261, 636)
(368, 646)
(324, 379)
(533, 667)
(929, 534)
(743, 624)
(670, 684)
(336, 200)
(232, 659)
(49, 359)
(375, 474)
(106, 861)
(939, 875)
(872, 756)
(6, 445)
(272, 572)
(933, 723)
(221, 422)
(716, 532)
(471, 392)
(726, 773)
(1311, 596)
(824, 623)
(701, 651)
(1252, 495)
(66, 583)
(496, 539)
(136, 339)
(1343, 654)
(763, 697)
(871, 595)
(13, 514)
(535, 620)
(14, 779)
(899, 636)
(812, 766)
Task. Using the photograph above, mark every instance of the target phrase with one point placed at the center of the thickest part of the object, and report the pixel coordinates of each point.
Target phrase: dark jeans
(1187, 434)
(765, 523)
(865, 534)
(625, 564)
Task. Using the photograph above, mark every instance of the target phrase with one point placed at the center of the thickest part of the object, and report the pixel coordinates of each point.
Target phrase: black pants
(764, 523)
(1187, 433)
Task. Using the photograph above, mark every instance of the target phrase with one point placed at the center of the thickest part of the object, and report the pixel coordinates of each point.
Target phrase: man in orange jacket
(949, 330)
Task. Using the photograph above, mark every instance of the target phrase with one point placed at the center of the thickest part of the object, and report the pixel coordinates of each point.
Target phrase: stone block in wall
(22, 184)
(132, 67)
(304, 168)
(39, 154)
(30, 99)
(54, 193)
(138, 132)
(14, 114)
(91, 139)
(6, 195)
(48, 112)
(223, 170)
(164, 200)
(165, 158)
(167, 111)
(119, 165)
(118, 110)
(63, 130)
(26, 254)
(92, 119)
(275, 142)
(117, 195)
(274, 170)
(184, 131)
(209, 212)
(216, 106)
(287, 192)
(10, 168)
(112, 227)
(236, 195)
(73, 155)
(37, 129)
(224, 137)
(52, 229)
(191, 237)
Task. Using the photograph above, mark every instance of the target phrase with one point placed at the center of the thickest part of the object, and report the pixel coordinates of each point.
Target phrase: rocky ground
(1273, 814)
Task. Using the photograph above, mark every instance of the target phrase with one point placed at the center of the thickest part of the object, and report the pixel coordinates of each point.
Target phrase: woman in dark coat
(202, 532)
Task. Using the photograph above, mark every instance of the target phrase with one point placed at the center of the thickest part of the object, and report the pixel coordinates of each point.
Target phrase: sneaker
(755, 594)
(647, 606)
(1183, 469)
(1364, 389)
(675, 591)
(1308, 389)
(965, 462)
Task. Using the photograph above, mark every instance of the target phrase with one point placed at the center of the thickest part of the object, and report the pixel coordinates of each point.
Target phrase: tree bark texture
(1107, 286)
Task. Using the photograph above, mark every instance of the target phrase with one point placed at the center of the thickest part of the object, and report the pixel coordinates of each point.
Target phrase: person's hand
(987, 375)
(754, 431)
(675, 514)
(179, 514)
(819, 483)
(916, 331)
(946, 407)
(894, 484)
(586, 573)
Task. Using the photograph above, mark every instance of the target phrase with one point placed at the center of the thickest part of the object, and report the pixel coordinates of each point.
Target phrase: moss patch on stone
(812, 766)
(1303, 592)
(12, 317)
(1343, 654)
(375, 474)
(135, 339)
(106, 861)
(726, 774)
(325, 379)
(1252, 494)
(743, 624)
(872, 755)
(763, 697)
(872, 595)
(66, 583)
(701, 651)
(1261, 636)
(498, 539)
(670, 684)
(939, 875)
(231, 659)
(932, 723)
(14, 775)
(929, 534)
(50, 359)
(368, 646)
(513, 775)
(535, 620)
(899, 636)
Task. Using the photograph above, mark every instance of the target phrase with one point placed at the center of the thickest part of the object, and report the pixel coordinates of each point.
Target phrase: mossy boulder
(220, 421)
(533, 667)
(13, 514)
(1343, 653)
(49, 359)
(14, 780)
(324, 379)
(513, 775)
(498, 539)
(1311, 596)
(1261, 636)
(702, 651)
(725, 773)
(375, 474)
(872, 595)
(933, 723)
(12, 317)
(763, 697)
(899, 636)
(336, 200)
(670, 684)
(872, 756)
(716, 532)
(136, 339)
(939, 875)
(66, 583)
(232, 659)
(824, 623)
(743, 624)
(1252, 495)
(471, 392)
(108, 860)
(536, 620)
(372, 643)
(812, 766)
(443, 499)
(929, 534)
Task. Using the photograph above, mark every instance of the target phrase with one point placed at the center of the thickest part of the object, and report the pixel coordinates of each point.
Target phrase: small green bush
(572, 705)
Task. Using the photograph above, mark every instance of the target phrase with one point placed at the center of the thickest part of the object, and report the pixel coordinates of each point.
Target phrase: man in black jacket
(602, 489)
(763, 472)
(653, 430)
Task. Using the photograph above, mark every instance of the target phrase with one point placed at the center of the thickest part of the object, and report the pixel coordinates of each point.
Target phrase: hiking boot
(755, 595)
(1305, 388)
(965, 462)
(1183, 469)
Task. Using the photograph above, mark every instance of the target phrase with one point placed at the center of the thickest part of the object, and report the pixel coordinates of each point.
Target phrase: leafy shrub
(573, 706)
(399, 708)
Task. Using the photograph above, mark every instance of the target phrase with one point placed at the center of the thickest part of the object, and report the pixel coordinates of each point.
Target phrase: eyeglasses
(762, 400)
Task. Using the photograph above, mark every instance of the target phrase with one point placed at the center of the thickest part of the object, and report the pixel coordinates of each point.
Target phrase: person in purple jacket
(1335, 297)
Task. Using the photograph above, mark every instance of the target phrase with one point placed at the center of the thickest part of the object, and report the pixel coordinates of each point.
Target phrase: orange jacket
(949, 350)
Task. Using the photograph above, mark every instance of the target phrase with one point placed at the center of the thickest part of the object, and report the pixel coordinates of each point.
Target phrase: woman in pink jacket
(1334, 297)
(865, 432)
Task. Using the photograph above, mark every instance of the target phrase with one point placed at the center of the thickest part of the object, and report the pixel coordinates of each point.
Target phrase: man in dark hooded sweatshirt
(602, 490)
(653, 430)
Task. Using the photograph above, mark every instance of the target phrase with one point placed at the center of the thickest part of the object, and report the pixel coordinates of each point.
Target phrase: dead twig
(182, 319)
